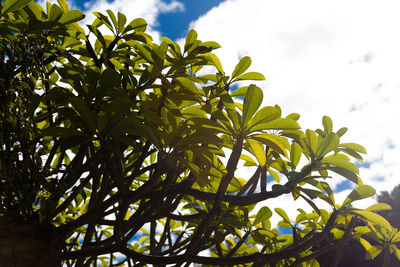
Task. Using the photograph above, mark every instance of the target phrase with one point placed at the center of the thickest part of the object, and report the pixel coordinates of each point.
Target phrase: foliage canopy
(127, 150)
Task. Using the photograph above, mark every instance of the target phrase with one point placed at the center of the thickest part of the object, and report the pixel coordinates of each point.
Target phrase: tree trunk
(22, 244)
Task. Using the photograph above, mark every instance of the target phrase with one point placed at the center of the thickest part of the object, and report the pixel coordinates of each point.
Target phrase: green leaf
(190, 39)
(63, 4)
(264, 115)
(240, 92)
(312, 204)
(102, 19)
(84, 112)
(13, 5)
(293, 116)
(378, 207)
(188, 84)
(327, 123)
(373, 218)
(295, 153)
(262, 215)
(341, 131)
(283, 214)
(277, 124)
(215, 61)
(346, 173)
(109, 79)
(113, 18)
(344, 164)
(251, 103)
(330, 142)
(258, 151)
(55, 13)
(211, 44)
(353, 146)
(352, 153)
(71, 16)
(311, 141)
(60, 132)
(338, 234)
(335, 157)
(138, 25)
(248, 159)
(396, 238)
(200, 137)
(272, 141)
(121, 21)
(361, 192)
(254, 76)
(241, 67)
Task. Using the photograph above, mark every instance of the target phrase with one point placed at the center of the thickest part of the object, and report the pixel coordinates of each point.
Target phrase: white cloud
(148, 10)
(336, 58)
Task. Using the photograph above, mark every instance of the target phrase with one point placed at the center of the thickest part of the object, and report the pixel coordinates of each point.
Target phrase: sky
(336, 58)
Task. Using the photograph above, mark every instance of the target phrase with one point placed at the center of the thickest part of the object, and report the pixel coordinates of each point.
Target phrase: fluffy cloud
(338, 58)
(149, 10)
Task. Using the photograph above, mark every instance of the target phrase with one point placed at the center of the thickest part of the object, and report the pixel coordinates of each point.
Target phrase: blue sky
(337, 58)
(171, 24)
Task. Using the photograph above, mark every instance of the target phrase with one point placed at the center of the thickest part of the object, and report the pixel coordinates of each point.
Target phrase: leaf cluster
(128, 147)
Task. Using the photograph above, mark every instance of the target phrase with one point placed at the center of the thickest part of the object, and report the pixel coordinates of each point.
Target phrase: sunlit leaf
(258, 151)
(283, 214)
(378, 207)
(263, 115)
(354, 146)
(13, 5)
(295, 153)
(263, 214)
(278, 124)
(241, 67)
(330, 142)
(274, 142)
(253, 76)
(251, 103)
(71, 16)
(327, 123)
(360, 192)
(344, 164)
(311, 140)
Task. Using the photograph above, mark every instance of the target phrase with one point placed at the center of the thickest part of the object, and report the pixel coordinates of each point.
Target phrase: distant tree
(393, 199)
(118, 151)
(353, 256)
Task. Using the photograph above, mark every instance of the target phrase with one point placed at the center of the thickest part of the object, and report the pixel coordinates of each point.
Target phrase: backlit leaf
(274, 142)
(330, 142)
(374, 218)
(312, 141)
(344, 164)
(353, 146)
(262, 215)
(253, 76)
(378, 207)
(252, 102)
(295, 153)
(241, 67)
(361, 192)
(71, 16)
(278, 124)
(283, 214)
(264, 115)
(13, 5)
(258, 151)
(327, 123)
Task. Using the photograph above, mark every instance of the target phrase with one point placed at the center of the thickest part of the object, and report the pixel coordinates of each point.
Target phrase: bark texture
(22, 244)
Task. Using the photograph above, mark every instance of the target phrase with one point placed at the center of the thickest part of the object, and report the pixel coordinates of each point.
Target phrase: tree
(120, 151)
(393, 199)
(352, 255)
